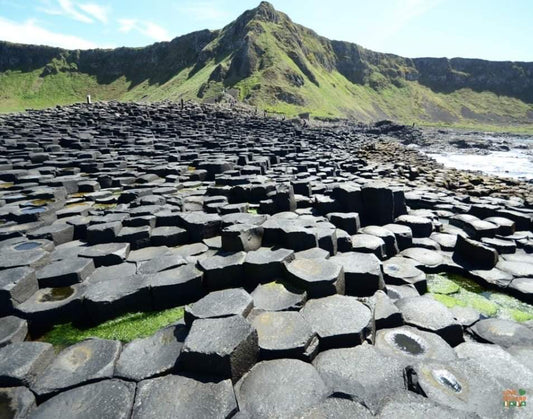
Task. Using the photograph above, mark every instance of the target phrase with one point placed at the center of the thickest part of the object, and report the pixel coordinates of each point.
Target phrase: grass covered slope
(266, 60)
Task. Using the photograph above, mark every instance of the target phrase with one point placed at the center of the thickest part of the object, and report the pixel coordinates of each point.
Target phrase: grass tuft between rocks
(124, 328)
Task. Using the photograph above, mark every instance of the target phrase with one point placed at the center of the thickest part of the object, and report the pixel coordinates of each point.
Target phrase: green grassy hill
(266, 60)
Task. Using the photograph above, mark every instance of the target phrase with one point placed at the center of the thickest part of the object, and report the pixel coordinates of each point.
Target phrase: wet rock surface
(302, 255)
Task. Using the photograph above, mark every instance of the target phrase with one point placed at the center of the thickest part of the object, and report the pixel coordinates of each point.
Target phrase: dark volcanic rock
(280, 388)
(284, 335)
(151, 356)
(83, 362)
(431, 315)
(338, 320)
(16, 402)
(177, 396)
(361, 372)
(104, 399)
(223, 303)
(226, 347)
(318, 277)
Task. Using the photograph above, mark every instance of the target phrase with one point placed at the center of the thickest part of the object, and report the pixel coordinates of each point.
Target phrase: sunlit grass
(124, 328)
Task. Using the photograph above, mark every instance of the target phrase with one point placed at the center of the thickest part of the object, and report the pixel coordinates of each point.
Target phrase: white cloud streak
(29, 32)
(149, 29)
(100, 13)
(83, 12)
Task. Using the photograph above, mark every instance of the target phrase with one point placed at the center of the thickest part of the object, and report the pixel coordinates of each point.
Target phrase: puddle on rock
(455, 290)
(57, 294)
(27, 246)
(408, 344)
(447, 379)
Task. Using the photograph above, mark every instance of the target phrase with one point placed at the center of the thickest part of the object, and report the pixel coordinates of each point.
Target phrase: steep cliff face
(269, 61)
(514, 79)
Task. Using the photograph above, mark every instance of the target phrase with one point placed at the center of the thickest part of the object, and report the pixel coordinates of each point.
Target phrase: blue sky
(489, 29)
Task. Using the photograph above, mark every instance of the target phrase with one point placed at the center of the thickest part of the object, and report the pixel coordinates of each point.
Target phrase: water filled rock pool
(455, 290)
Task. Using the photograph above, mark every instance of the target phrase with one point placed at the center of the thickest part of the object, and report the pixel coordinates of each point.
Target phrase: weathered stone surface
(269, 389)
(105, 399)
(12, 329)
(459, 384)
(16, 286)
(178, 396)
(90, 360)
(50, 306)
(284, 335)
(65, 272)
(338, 320)
(108, 299)
(391, 246)
(107, 254)
(361, 372)
(152, 356)
(266, 265)
(225, 347)
(278, 296)
(386, 314)
(502, 332)
(401, 271)
(420, 226)
(16, 402)
(318, 278)
(223, 270)
(409, 343)
(474, 255)
(498, 363)
(362, 272)
(239, 237)
(409, 405)
(347, 221)
(428, 314)
(522, 288)
(336, 408)
(224, 303)
(176, 287)
(22, 362)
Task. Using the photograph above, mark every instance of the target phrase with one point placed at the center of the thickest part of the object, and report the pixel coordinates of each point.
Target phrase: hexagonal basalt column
(338, 320)
(225, 347)
(316, 276)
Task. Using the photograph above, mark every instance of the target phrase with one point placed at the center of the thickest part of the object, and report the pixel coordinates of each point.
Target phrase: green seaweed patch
(520, 316)
(478, 302)
(124, 328)
(252, 211)
(448, 301)
(438, 284)
(6, 185)
(466, 283)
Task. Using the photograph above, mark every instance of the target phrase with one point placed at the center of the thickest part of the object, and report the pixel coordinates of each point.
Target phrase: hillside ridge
(265, 59)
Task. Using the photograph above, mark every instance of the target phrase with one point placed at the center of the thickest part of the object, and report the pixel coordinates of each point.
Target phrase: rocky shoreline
(301, 253)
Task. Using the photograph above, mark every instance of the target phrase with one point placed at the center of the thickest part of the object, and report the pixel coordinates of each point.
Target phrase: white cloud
(205, 11)
(29, 32)
(149, 29)
(100, 13)
(83, 12)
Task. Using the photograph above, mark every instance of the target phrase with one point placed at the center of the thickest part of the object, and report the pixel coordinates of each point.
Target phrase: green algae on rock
(454, 290)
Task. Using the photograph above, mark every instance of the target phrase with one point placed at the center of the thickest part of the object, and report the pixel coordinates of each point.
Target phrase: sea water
(516, 163)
